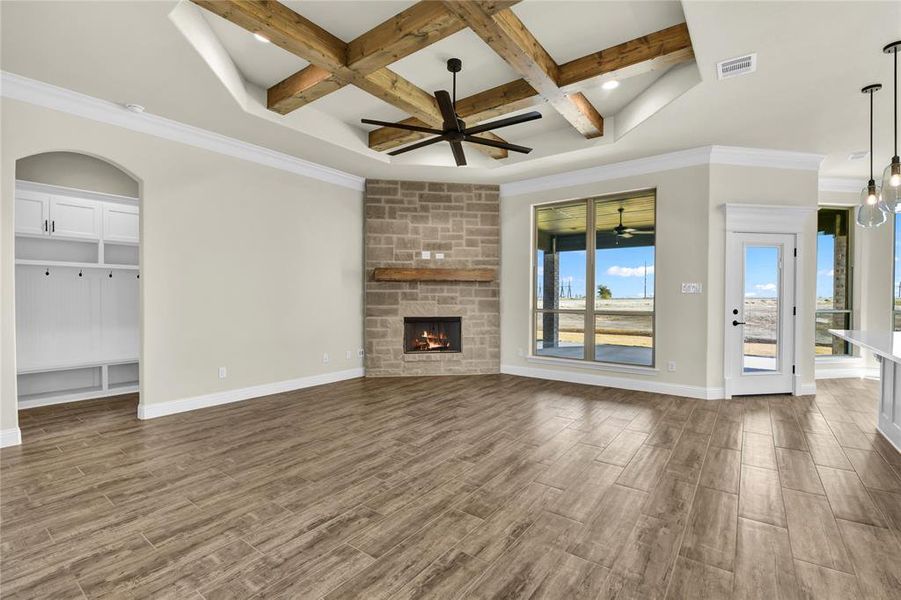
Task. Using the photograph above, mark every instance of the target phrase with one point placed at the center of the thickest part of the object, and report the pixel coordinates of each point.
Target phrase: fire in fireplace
(432, 334)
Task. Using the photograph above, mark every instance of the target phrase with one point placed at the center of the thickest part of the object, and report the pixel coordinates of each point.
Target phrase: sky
(761, 272)
(825, 258)
(621, 269)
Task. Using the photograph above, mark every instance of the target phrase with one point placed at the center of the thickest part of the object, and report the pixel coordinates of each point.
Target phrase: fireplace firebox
(432, 334)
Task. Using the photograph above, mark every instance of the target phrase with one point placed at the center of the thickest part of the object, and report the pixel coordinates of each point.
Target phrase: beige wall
(78, 171)
(242, 266)
(681, 255)
(690, 248)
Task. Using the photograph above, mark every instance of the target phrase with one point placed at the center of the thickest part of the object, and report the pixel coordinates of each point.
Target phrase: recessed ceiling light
(261, 38)
(610, 85)
(135, 108)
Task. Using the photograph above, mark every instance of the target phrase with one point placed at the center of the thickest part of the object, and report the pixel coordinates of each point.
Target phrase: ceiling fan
(454, 129)
(622, 231)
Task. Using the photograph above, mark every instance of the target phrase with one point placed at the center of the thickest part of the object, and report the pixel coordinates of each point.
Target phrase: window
(833, 310)
(896, 287)
(594, 292)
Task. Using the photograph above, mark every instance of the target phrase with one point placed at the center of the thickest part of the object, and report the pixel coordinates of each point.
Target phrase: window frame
(894, 274)
(589, 312)
(851, 353)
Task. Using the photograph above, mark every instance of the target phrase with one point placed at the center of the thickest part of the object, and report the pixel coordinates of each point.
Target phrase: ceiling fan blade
(529, 116)
(459, 156)
(637, 232)
(418, 145)
(626, 235)
(402, 126)
(486, 142)
(447, 110)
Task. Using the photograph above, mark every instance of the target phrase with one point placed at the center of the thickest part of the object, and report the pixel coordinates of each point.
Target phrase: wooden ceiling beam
(656, 50)
(661, 49)
(513, 42)
(409, 31)
(303, 38)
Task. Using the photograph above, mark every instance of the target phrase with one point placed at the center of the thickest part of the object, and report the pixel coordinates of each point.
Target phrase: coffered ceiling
(186, 63)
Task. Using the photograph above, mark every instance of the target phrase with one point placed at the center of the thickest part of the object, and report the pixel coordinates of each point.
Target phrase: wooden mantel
(395, 274)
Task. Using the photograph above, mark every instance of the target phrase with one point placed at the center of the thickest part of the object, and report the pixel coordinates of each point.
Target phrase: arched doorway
(77, 284)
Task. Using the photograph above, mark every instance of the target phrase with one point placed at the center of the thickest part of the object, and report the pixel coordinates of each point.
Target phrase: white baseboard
(848, 373)
(673, 389)
(807, 389)
(10, 437)
(161, 409)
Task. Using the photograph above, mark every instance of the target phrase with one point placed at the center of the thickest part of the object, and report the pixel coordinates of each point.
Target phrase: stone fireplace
(432, 293)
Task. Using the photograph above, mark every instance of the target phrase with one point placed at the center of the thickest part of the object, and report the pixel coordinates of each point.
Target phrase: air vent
(741, 65)
(859, 155)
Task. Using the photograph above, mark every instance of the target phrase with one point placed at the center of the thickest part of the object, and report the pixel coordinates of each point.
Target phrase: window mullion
(590, 252)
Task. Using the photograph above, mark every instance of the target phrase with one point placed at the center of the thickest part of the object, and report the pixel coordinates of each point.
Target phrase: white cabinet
(74, 218)
(32, 213)
(120, 223)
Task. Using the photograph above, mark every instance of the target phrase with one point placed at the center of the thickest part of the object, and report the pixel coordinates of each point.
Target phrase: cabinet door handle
(45, 225)
(53, 226)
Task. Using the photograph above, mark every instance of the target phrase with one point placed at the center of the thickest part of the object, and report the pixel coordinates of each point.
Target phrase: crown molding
(16, 87)
(629, 168)
(704, 155)
(842, 185)
(762, 157)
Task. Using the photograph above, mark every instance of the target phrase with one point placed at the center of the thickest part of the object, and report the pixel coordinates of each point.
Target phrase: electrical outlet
(359, 353)
(427, 254)
(348, 355)
(671, 366)
(223, 372)
(691, 288)
(325, 357)
(439, 256)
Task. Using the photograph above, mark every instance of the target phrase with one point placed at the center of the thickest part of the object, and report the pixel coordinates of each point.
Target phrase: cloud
(750, 294)
(618, 271)
(827, 272)
(766, 287)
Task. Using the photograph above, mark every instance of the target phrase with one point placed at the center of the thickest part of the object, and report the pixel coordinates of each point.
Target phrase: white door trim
(765, 218)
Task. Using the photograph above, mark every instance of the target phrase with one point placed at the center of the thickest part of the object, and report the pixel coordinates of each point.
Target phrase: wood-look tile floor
(457, 487)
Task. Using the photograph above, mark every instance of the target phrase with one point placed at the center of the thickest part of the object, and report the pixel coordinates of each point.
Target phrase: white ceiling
(812, 60)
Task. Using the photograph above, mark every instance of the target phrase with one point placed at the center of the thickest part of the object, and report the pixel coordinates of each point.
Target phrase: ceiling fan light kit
(454, 129)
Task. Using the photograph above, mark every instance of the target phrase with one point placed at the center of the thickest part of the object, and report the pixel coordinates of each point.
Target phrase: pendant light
(869, 212)
(891, 177)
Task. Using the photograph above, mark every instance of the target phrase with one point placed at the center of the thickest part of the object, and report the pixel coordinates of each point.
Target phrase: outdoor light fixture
(891, 176)
(870, 212)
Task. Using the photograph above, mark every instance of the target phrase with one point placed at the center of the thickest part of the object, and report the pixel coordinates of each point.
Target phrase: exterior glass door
(760, 313)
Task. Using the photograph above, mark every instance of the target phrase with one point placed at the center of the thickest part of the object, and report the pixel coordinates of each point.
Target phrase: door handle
(737, 323)
(53, 226)
(45, 225)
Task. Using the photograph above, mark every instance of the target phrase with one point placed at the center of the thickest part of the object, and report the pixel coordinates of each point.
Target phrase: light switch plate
(427, 254)
(439, 256)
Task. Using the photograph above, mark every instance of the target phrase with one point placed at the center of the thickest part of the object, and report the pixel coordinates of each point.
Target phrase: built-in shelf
(65, 366)
(77, 265)
(395, 274)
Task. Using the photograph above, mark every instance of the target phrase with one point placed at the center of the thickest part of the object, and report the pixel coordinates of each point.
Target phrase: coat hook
(139, 275)
(110, 274)
(80, 273)
(47, 272)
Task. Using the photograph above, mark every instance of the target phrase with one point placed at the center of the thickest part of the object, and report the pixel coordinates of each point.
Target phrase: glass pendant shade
(891, 187)
(870, 212)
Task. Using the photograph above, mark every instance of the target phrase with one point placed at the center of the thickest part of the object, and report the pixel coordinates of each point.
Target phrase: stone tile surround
(403, 218)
